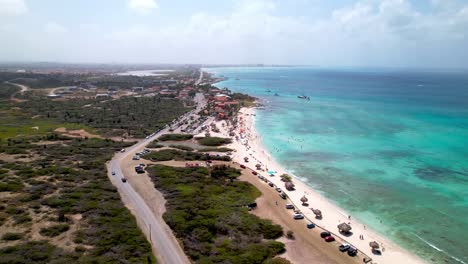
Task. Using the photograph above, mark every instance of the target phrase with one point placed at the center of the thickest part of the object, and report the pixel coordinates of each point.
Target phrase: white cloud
(143, 7)
(12, 7)
(54, 28)
(363, 33)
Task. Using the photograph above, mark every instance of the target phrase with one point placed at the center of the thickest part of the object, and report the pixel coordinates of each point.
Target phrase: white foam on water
(440, 250)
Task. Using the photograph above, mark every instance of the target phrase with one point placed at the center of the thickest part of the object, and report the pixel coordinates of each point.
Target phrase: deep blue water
(390, 146)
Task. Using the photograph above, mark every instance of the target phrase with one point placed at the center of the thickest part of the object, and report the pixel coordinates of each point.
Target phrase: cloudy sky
(401, 33)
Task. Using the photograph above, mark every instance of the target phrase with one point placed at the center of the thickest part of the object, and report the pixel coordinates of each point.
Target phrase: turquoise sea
(389, 146)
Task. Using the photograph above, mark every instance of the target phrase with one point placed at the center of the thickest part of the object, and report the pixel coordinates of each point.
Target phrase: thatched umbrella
(317, 213)
(304, 199)
(344, 227)
(258, 165)
(289, 186)
(374, 245)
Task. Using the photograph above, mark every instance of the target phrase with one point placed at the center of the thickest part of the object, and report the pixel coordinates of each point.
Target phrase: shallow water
(390, 146)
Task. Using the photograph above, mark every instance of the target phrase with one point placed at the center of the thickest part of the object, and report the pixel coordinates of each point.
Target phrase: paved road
(200, 79)
(165, 245)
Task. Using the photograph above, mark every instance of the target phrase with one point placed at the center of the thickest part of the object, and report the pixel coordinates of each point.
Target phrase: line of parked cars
(345, 247)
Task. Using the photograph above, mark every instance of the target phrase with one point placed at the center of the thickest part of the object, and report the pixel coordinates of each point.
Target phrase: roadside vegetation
(175, 137)
(213, 141)
(175, 154)
(54, 184)
(212, 149)
(206, 208)
(181, 147)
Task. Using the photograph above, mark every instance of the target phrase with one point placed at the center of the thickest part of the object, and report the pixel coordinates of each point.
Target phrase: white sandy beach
(249, 145)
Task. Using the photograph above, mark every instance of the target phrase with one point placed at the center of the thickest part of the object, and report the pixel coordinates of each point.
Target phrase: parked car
(122, 150)
(271, 184)
(282, 195)
(289, 206)
(344, 247)
(113, 172)
(124, 180)
(298, 216)
(329, 239)
(324, 234)
(310, 225)
(254, 173)
(242, 166)
(352, 251)
(278, 189)
(136, 157)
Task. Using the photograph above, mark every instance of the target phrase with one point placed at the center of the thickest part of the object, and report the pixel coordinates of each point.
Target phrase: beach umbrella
(374, 245)
(289, 186)
(258, 165)
(344, 227)
(317, 212)
(271, 172)
(304, 199)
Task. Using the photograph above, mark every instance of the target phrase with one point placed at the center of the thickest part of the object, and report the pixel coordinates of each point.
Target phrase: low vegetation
(12, 236)
(206, 208)
(131, 116)
(175, 137)
(174, 154)
(212, 149)
(54, 184)
(213, 141)
(54, 230)
(7, 90)
(181, 147)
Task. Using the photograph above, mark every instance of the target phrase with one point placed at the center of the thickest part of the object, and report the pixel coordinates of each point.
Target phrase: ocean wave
(438, 249)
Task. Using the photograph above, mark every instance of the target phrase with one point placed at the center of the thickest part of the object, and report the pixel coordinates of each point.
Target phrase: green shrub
(54, 230)
(181, 147)
(12, 236)
(175, 137)
(213, 141)
(212, 149)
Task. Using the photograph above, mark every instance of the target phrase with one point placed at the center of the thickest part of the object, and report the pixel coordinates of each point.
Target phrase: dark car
(344, 247)
(254, 173)
(310, 225)
(329, 239)
(124, 180)
(352, 251)
(242, 166)
(324, 234)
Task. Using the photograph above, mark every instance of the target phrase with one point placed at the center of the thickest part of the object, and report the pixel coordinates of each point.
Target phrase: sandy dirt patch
(80, 133)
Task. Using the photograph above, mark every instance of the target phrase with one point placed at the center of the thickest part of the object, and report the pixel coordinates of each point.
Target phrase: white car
(122, 150)
(298, 216)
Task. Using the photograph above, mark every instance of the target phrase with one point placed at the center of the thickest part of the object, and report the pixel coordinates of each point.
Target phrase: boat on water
(303, 97)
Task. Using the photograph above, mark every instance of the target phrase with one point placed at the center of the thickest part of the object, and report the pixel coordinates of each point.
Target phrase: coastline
(251, 146)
